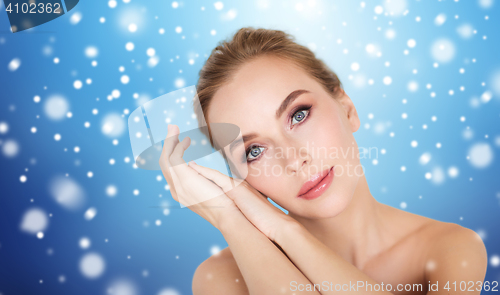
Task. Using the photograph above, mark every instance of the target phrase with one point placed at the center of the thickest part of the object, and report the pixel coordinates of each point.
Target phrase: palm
(187, 186)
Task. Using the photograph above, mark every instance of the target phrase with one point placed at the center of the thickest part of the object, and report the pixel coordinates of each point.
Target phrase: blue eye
(301, 113)
(299, 116)
(254, 152)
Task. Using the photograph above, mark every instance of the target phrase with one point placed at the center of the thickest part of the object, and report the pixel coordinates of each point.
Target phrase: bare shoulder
(219, 274)
(436, 240)
(449, 236)
(436, 234)
(444, 238)
(455, 253)
(447, 252)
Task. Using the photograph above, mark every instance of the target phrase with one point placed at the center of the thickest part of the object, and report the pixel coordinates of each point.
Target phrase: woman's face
(310, 135)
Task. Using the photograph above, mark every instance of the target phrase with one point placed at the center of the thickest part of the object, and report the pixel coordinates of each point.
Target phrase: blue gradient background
(170, 253)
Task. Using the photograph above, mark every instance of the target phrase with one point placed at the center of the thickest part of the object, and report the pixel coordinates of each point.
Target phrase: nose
(297, 159)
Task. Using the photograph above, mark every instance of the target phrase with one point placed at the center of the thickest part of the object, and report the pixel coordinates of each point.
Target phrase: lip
(318, 184)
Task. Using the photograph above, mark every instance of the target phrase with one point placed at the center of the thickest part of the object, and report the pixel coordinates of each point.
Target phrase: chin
(328, 205)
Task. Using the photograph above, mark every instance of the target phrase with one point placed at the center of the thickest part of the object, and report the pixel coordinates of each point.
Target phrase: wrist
(228, 218)
(290, 228)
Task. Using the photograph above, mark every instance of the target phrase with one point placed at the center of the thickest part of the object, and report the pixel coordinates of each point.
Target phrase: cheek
(267, 183)
(326, 130)
(268, 176)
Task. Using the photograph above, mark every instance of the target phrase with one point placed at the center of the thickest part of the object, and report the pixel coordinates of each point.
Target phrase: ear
(350, 110)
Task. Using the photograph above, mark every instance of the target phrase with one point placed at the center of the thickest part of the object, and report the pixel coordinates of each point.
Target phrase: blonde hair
(247, 44)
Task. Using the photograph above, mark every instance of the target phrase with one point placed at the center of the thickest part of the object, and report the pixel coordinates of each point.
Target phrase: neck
(355, 233)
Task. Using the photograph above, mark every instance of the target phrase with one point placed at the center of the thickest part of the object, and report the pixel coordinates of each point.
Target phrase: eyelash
(291, 115)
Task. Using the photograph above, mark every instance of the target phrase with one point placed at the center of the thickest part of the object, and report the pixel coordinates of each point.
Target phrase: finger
(168, 145)
(250, 201)
(175, 162)
(185, 176)
(171, 140)
(178, 151)
(178, 167)
(169, 156)
(222, 180)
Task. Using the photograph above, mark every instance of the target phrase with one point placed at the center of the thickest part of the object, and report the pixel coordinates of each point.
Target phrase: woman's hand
(190, 188)
(255, 206)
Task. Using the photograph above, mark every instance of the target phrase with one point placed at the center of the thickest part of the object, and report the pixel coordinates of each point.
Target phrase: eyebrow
(284, 105)
(288, 100)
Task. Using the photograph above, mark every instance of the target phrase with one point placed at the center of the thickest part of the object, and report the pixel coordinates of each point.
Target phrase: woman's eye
(299, 116)
(254, 152)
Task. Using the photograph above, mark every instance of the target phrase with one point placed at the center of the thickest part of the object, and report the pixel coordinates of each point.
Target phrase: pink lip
(316, 185)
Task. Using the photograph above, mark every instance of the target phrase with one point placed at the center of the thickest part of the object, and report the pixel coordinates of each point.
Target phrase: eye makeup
(298, 109)
(303, 109)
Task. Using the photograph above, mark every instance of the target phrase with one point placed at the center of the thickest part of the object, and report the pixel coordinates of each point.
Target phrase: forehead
(253, 95)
